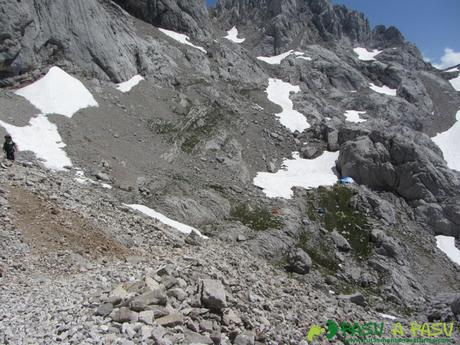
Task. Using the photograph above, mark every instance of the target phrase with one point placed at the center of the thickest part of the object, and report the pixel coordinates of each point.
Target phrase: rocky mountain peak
(387, 37)
(291, 21)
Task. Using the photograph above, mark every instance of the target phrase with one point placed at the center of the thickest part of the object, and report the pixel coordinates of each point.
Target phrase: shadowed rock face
(185, 16)
(96, 35)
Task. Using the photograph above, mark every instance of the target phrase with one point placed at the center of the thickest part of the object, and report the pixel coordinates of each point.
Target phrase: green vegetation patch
(257, 218)
(334, 210)
(160, 126)
(189, 143)
(199, 129)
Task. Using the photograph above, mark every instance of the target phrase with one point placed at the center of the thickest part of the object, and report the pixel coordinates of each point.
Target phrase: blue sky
(433, 25)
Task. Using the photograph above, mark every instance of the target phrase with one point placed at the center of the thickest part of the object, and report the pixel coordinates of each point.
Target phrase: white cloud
(450, 58)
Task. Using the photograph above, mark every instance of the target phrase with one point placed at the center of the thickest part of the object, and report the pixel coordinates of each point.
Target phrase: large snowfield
(186, 229)
(181, 38)
(56, 93)
(298, 172)
(448, 142)
(232, 35)
(447, 245)
(278, 92)
(365, 55)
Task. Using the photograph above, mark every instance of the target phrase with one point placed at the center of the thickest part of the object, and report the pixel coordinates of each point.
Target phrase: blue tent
(346, 180)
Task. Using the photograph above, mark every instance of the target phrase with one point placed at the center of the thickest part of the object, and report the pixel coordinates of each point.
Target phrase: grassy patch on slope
(334, 209)
(257, 218)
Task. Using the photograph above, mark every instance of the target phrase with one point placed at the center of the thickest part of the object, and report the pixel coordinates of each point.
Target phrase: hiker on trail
(10, 147)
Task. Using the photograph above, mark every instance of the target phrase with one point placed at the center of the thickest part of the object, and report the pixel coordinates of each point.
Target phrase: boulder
(194, 239)
(386, 245)
(146, 317)
(141, 302)
(123, 315)
(177, 293)
(104, 309)
(230, 317)
(213, 294)
(102, 176)
(244, 338)
(455, 306)
(356, 298)
(299, 261)
(196, 338)
(118, 295)
(310, 152)
(340, 241)
(171, 320)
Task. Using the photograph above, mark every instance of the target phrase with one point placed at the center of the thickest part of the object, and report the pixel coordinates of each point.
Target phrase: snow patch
(455, 83)
(82, 179)
(365, 55)
(278, 92)
(298, 172)
(276, 60)
(128, 85)
(232, 35)
(447, 245)
(181, 38)
(42, 138)
(353, 116)
(186, 229)
(448, 143)
(58, 93)
(385, 90)
(304, 58)
(387, 316)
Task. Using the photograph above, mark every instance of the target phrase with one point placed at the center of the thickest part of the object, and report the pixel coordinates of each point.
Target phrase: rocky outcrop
(410, 165)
